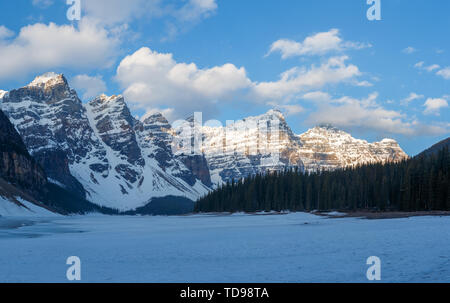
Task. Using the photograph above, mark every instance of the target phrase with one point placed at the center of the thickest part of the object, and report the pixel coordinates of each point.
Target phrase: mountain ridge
(98, 146)
(104, 154)
(436, 147)
(330, 148)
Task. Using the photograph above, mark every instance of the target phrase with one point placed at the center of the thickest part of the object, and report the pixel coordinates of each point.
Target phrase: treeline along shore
(417, 184)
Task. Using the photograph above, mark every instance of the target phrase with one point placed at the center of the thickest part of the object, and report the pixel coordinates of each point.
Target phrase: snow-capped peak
(328, 127)
(108, 100)
(274, 113)
(328, 131)
(111, 98)
(388, 141)
(47, 79)
(271, 115)
(118, 161)
(2, 93)
(327, 147)
(155, 118)
(148, 115)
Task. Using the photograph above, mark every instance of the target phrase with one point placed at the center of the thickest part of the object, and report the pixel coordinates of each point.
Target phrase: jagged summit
(155, 118)
(272, 114)
(105, 98)
(249, 146)
(100, 151)
(275, 112)
(103, 102)
(326, 130)
(2, 93)
(388, 141)
(331, 131)
(47, 80)
(328, 126)
(326, 147)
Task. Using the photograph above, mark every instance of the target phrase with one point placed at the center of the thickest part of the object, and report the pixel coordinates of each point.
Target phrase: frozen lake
(295, 247)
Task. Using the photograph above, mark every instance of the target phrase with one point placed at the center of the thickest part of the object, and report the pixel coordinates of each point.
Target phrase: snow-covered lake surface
(295, 247)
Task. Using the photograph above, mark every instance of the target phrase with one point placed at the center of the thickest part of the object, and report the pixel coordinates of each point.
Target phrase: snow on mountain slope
(135, 175)
(93, 149)
(46, 80)
(246, 147)
(2, 93)
(22, 208)
(155, 137)
(21, 179)
(266, 143)
(113, 124)
(326, 147)
(53, 124)
(100, 152)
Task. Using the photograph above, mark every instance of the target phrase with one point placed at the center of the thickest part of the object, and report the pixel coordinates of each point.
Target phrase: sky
(320, 61)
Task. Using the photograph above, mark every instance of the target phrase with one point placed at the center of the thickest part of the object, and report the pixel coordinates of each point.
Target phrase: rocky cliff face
(22, 181)
(156, 138)
(326, 147)
(97, 150)
(113, 124)
(52, 122)
(16, 164)
(266, 143)
(247, 147)
(100, 151)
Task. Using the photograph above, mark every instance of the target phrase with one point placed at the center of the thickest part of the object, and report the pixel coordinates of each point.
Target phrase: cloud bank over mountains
(153, 80)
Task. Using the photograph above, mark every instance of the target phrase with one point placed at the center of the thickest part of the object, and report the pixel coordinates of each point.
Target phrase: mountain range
(102, 155)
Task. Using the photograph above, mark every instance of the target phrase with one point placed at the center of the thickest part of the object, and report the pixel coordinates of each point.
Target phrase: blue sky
(318, 61)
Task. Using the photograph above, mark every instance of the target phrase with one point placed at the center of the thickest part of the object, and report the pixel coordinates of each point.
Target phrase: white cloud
(113, 12)
(366, 114)
(5, 33)
(155, 80)
(412, 97)
(317, 96)
(419, 64)
(194, 10)
(297, 80)
(187, 15)
(445, 73)
(434, 105)
(90, 86)
(179, 16)
(41, 47)
(409, 50)
(363, 83)
(318, 44)
(432, 67)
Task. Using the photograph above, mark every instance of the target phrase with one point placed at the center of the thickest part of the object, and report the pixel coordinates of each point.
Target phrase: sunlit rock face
(326, 147)
(254, 145)
(101, 152)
